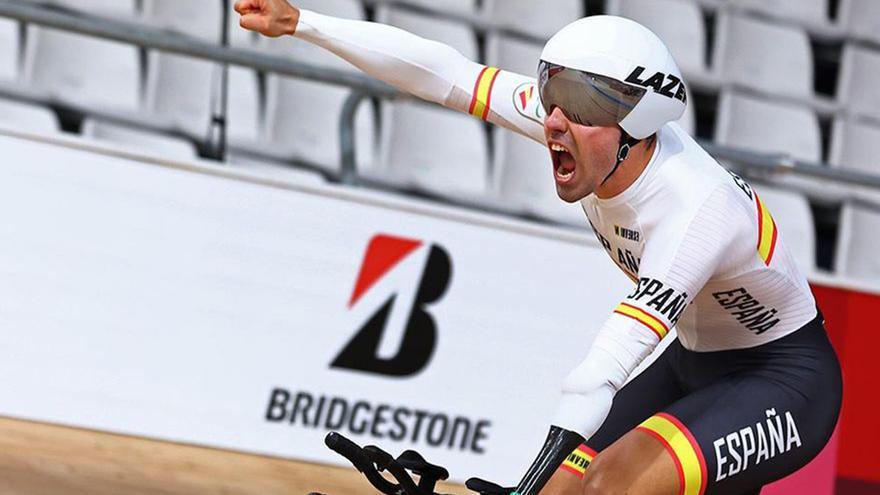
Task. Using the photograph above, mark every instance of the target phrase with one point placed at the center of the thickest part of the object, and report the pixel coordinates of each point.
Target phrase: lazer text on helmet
(667, 85)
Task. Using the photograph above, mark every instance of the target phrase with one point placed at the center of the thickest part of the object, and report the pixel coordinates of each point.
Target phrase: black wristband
(559, 444)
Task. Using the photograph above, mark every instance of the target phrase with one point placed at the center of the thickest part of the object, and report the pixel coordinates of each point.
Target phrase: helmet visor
(586, 98)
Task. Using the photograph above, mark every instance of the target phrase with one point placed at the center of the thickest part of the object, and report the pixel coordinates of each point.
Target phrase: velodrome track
(42, 459)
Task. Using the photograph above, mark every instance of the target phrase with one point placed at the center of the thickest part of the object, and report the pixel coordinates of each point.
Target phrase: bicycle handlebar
(385, 462)
(370, 460)
(351, 451)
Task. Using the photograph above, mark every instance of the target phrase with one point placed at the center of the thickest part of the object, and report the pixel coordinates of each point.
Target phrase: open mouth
(563, 163)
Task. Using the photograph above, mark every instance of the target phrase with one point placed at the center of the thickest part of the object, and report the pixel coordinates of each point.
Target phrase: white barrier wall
(197, 307)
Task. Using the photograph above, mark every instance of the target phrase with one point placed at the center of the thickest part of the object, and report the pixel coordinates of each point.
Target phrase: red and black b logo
(419, 339)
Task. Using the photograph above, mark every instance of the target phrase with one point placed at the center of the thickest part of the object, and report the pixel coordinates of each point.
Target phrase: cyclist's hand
(271, 18)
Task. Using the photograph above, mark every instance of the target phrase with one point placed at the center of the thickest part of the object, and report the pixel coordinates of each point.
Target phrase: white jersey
(704, 252)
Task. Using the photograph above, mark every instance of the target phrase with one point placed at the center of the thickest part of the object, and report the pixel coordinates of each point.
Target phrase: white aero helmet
(607, 70)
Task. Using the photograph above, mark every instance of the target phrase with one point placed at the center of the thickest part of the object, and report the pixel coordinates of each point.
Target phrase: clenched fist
(271, 18)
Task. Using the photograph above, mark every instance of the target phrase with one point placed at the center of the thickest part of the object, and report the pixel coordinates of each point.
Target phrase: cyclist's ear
(487, 487)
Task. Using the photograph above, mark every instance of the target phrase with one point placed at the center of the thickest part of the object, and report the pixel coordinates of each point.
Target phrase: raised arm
(427, 69)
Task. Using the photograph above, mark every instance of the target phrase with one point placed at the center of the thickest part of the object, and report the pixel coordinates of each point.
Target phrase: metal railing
(751, 163)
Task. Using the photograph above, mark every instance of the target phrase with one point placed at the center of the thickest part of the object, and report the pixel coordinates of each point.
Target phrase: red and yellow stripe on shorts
(643, 317)
(683, 448)
(483, 92)
(577, 462)
(767, 232)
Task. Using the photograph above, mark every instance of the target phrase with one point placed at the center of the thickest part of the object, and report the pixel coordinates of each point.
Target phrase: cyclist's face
(582, 156)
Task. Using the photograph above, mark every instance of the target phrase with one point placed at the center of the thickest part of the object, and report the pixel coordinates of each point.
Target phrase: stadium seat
(110, 8)
(9, 50)
(764, 56)
(688, 120)
(856, 253)
(303, 120)
(857, 85)
(541, 20)
(243, 106)
(459, 36)
(512, 54)
(794, 218)
(807, 12)
(679, 23)
(763, 125)
(180, 90)
(303, 117)
(853, 145)
(431, 148)
(434, 149)
(22, 116)
(198, 18)
(861, 18)
(82, 69)
(141, 141)
(456, 6)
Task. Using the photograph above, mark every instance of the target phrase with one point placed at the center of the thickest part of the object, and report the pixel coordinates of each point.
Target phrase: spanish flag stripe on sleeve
(576, 463)
(683, 447)
(477, 90)
(480, 104)
(654, 324)
(767, 232)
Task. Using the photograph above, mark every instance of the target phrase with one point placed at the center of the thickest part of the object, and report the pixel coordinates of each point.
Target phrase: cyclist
(751, 389)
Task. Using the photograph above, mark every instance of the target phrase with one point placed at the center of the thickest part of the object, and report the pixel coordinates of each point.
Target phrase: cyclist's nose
(555, 122)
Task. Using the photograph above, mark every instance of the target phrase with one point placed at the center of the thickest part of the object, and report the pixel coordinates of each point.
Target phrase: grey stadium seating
(761, 62)
(806, 12)
(144, 142)
(861, 18)
(82, 69)
(678, 22)
(857, 87)
(27, 117)
(429, 148)
(540, 20)
(856, 253)
(9, 50)
(763, 55)
(303, 117)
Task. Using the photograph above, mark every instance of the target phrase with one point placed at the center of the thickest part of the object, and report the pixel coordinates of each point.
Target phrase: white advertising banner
(193, 306)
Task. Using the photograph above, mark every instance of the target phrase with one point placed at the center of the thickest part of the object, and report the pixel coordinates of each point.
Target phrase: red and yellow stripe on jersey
(683, 448)
(577, 462)
(643, 317)
(483, 92)
(767, 232)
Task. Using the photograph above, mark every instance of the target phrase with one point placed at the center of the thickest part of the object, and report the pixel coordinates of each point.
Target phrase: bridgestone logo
(377, 420)
(419, 341)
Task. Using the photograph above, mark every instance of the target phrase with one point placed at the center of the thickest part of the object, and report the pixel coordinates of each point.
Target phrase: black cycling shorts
(732, 420)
